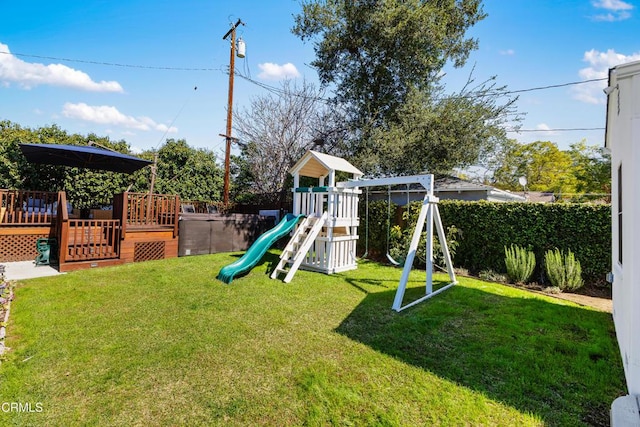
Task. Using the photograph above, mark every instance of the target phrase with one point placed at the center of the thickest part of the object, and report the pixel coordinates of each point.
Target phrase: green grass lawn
(164, 343)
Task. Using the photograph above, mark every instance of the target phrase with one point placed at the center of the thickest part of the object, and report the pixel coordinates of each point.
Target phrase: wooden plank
(148, 236)
(25, 230)
(85, 265)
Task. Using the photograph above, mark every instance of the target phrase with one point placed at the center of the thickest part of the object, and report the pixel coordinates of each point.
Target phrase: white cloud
(545, 129)
(618, 10)
(599, 64)
(106, 115)
(136, 150)
(271, 71)
(508, 52)
(610, 17)
(28, 75)
(614, 5)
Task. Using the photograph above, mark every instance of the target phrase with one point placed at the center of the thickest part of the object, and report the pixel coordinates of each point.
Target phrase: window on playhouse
(620, 214)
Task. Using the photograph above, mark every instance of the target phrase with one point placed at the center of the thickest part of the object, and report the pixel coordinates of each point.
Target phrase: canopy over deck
(82, 157)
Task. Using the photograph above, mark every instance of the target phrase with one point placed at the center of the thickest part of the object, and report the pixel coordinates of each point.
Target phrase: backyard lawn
(165, 343)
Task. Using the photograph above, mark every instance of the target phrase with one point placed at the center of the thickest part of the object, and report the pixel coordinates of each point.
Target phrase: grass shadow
(556, 361)
(363, 284)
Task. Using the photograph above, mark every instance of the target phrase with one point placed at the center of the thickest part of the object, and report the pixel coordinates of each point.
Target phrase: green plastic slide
(259, 247)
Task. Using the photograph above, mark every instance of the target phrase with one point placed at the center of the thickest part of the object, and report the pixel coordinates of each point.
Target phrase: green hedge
(488, 227)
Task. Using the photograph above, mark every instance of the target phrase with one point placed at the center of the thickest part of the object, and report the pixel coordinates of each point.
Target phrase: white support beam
(430, 215)
(425, 180)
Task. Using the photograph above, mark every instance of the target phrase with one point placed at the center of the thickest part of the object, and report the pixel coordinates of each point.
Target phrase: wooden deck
(142, 228)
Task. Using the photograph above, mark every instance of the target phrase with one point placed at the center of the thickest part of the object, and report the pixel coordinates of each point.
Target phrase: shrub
(563, 271)
(400, 240)
(520, 263)
(491, 276)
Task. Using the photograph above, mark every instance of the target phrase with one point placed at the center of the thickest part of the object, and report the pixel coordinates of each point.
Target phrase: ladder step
(296, 250)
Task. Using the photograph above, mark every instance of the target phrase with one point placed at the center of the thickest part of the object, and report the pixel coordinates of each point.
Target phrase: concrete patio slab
(27, 270)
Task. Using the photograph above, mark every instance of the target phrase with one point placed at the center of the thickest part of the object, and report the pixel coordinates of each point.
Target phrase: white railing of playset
(340, 203)
(333, 255)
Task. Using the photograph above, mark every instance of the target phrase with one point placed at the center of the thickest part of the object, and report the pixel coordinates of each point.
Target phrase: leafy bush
(401, 240)
(563, 271)
(491, 276)
(520, 263)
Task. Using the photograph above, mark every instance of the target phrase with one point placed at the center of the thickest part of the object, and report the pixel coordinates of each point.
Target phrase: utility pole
(154, 169)
(227, 154)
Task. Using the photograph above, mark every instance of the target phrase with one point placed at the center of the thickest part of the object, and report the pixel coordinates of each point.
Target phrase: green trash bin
(46, 248)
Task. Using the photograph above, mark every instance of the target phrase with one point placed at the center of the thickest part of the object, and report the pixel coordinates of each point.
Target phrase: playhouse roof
(315, 165)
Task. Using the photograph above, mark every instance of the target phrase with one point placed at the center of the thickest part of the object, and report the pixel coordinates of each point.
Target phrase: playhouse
(325, 241)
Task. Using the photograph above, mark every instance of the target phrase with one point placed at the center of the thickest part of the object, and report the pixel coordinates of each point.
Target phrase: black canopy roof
(81, 156)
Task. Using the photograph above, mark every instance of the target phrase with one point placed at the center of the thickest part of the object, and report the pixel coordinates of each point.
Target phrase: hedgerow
(487, 227)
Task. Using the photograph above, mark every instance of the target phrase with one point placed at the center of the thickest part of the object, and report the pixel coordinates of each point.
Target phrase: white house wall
(623, 139)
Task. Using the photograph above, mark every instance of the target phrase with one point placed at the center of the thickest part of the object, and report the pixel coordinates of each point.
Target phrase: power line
(554, 86)
(553, 130)
(195, 88)
(110, 64)
(282, 92)
(271, 88)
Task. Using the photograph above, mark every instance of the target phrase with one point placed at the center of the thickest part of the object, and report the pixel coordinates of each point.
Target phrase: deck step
(90, 251)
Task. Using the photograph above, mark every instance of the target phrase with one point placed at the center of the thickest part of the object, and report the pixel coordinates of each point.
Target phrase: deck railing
(86, 239)
(19, 207)
(143, 210)
(90, 239)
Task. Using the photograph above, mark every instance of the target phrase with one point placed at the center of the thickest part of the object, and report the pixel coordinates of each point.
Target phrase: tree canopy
(376, 51)
(191, 173)
(437, 136)
(276, 130)
(384, 59)
(581, 172)
(84, 187)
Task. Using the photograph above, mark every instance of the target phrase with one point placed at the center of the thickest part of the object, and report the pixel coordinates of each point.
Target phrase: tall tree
(592, 169)
(436, 136)
(542, 163)
(384, 61)
(376, 51)
(276, 131)
(190, 172)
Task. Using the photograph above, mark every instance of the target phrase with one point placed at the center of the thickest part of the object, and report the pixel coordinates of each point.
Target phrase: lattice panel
(19, 247)
(147, 251)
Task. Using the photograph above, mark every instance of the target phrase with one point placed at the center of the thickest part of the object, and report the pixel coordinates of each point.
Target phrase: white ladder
(297, 248)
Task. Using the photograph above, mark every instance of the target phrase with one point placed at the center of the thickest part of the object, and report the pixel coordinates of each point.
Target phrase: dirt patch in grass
(586, 296)
(602, 304)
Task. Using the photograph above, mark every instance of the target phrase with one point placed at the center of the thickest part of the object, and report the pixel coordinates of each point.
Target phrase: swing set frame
(429, 215)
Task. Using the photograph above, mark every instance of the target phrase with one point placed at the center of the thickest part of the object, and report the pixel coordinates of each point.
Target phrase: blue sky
(128, 69)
